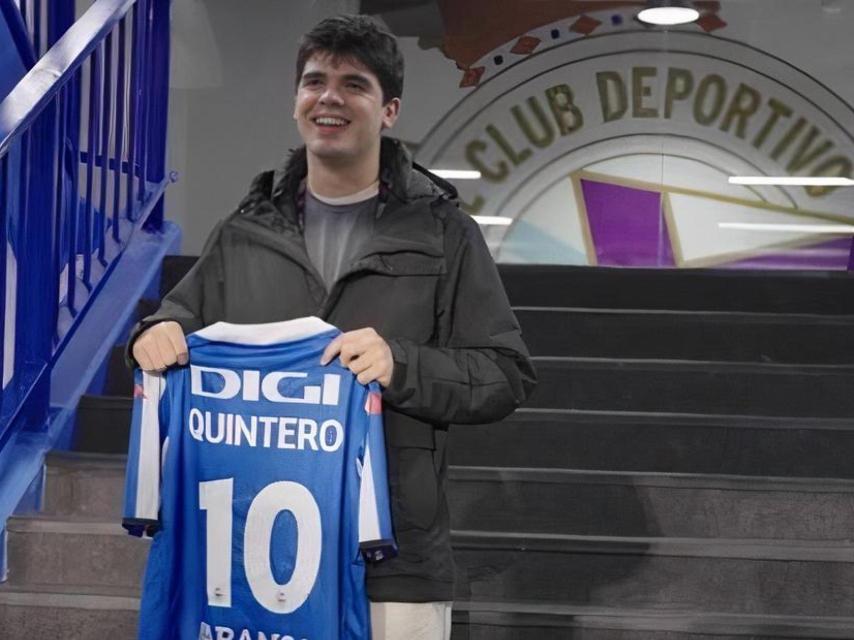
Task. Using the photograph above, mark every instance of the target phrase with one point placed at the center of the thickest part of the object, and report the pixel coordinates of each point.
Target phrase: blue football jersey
(262, 477)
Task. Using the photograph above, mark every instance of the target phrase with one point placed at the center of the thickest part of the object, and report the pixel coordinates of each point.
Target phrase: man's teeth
(334, 122)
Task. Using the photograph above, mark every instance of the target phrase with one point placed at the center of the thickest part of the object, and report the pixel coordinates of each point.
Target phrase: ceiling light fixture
(792, 181)
(836, 229)
(457, 174)
(668, 13)
(492, 221)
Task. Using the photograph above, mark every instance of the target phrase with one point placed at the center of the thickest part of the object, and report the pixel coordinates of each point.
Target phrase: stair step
(51, 612)
(560, 501)
(804, 551)
(821, 292)
(554, 621)
(734, 576)
(667, 442)
(688, 335)
(85, 485)
(650, 504)
(65, 551)
(609, 386)
(103, 424)
(701, 387)
(634, 571)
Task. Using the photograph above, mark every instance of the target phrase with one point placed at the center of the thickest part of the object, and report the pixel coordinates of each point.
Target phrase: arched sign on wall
(615, 149)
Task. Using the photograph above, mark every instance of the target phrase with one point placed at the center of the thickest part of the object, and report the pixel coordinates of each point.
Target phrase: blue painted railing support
(18, 28)
(59, 18)
(37, 312)
(4, 568)
(158, 120)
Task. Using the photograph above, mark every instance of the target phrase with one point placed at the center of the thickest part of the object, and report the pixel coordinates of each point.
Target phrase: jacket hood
(399, 175)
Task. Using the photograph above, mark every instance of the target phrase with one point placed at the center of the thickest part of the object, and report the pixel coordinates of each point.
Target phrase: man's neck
(335, 180)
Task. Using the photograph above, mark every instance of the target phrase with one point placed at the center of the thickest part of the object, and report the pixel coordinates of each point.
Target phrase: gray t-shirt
(335, 233)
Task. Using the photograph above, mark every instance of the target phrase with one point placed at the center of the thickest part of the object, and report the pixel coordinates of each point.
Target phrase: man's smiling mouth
(328, 121)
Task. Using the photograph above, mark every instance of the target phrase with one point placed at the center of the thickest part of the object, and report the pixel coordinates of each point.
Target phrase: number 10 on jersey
(216, 498)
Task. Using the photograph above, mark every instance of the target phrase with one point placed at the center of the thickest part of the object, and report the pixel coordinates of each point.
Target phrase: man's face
(339, 109)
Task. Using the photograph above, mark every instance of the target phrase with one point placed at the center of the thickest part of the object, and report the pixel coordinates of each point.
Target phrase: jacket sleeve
(481, 371)
(195, 301)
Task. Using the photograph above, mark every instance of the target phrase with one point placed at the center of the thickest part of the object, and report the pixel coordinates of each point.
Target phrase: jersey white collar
(265, 333)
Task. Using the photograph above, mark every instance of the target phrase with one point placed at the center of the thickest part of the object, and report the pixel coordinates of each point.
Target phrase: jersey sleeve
(376, 536)
(147, 445)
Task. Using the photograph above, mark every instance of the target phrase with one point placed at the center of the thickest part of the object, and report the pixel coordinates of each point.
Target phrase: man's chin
(329, 153)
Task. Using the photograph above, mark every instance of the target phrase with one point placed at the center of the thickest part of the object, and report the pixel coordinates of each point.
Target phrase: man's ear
(390, 113)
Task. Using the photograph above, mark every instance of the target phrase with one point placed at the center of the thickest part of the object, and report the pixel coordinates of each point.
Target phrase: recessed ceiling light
(457, 174)
(833, 229)
(668, 13)
(493, 221)
(792, 181)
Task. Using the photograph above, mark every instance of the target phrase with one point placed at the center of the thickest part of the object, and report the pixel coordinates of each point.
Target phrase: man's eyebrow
(357, 77)
(350, 77)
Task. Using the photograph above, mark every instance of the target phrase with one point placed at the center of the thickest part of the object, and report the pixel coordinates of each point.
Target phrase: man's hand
(161, 346)
(365, 353)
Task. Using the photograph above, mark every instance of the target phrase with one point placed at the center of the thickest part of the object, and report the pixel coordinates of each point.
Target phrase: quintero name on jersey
(250, 385)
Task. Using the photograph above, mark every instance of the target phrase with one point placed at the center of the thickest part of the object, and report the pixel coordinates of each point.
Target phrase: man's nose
(330, 95)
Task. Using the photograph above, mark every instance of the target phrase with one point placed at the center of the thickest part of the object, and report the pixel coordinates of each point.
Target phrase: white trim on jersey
(265, 333)
(149, 460)
(369, 517)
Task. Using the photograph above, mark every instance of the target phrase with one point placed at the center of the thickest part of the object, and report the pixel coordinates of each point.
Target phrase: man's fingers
(178, 345)
(167, 354)
(160, 346)
(331, 350)
(350, 345)
(350, 352)
(346, 350)
(151, 360)
(141, 356)
(360, 364)
(368, 375)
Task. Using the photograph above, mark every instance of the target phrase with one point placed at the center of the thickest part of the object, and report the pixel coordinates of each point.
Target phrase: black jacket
(426, 283)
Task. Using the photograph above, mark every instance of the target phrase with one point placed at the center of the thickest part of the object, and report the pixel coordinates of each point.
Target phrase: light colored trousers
(411, 620)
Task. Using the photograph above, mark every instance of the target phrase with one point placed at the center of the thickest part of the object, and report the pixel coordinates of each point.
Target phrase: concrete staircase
(74, 572)
(683, 471)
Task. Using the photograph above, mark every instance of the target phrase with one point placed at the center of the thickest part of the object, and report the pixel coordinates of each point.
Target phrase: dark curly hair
(358, 38)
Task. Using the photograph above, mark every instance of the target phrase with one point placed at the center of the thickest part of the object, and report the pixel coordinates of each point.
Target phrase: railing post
(4, 567)
(158, 97)
(17, 25)
(118, 151)
(36, 297)
(60, 16)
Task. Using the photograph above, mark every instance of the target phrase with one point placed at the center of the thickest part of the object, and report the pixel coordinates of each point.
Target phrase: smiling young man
(352, 231)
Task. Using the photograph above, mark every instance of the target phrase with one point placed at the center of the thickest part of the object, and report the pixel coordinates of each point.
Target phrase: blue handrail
(82, 167)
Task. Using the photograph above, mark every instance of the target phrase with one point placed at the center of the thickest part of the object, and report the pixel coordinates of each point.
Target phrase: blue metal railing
(82, 166)
(44, 21)
(17, 28)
